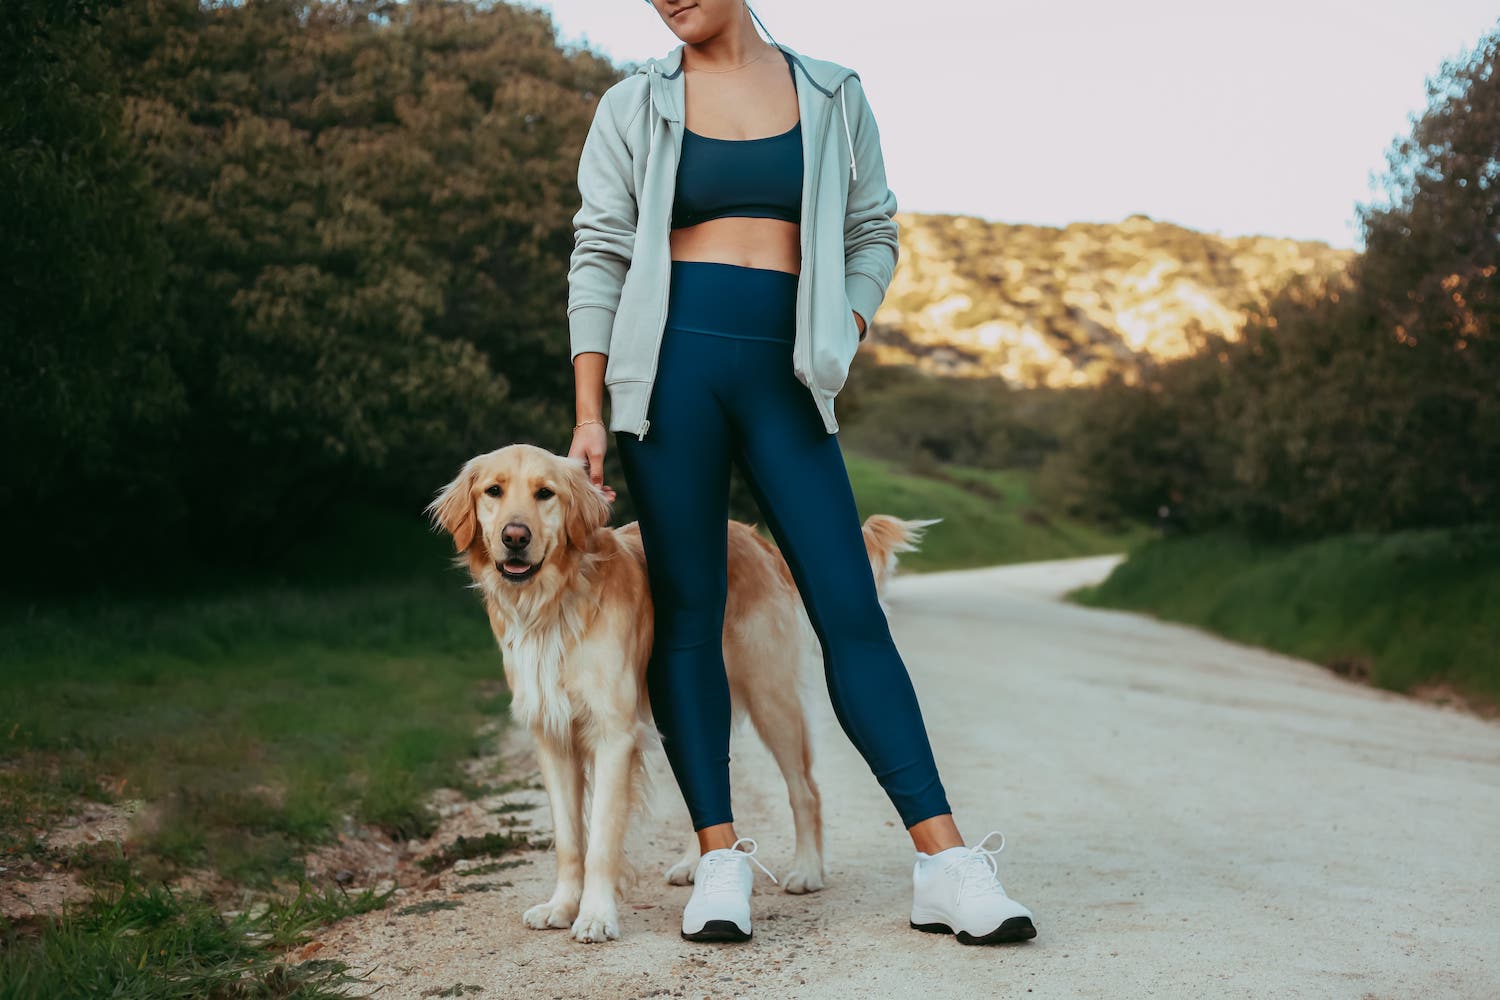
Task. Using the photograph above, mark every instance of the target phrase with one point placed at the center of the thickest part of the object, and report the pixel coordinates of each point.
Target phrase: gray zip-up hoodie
(621, 261)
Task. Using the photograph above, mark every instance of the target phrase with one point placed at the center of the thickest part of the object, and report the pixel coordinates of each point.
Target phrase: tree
(88, 393)
(1432, 271)
(276, 255)
(1372, 404)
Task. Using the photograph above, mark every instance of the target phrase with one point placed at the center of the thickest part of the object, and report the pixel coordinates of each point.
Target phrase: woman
(731, 191)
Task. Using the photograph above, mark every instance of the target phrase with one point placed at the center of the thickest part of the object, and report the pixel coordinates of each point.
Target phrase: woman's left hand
(859, 321)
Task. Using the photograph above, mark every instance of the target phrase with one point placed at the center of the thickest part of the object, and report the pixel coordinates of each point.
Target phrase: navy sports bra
(759, 178)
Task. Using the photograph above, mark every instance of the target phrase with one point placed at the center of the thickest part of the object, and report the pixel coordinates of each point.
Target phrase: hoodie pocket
(833, 351)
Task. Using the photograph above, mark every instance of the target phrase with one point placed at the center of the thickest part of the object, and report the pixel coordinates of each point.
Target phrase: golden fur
(575, 631)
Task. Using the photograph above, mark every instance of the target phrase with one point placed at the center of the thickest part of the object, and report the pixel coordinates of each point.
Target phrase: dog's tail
(885, 536)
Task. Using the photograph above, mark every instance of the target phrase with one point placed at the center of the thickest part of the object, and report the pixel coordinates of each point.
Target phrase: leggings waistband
(729, 300)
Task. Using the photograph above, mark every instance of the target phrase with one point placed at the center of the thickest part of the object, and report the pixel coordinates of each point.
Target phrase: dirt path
(1187, 817)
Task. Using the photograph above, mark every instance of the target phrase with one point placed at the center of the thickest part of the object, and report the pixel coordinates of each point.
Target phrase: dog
(569, 602)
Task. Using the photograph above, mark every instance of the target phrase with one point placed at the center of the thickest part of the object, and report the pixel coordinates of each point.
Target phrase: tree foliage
(88, 393)
(331, 238)
(1369, 405)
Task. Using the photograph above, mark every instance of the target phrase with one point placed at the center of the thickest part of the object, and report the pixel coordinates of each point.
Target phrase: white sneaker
(719, 909)
(957, 891)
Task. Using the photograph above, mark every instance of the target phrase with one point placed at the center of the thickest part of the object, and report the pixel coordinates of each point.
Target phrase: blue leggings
(725, 391)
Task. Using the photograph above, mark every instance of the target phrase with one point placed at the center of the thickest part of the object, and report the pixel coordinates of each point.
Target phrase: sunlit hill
(1042, 306)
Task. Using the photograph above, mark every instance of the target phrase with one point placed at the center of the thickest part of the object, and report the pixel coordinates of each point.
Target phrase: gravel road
(1187, 817)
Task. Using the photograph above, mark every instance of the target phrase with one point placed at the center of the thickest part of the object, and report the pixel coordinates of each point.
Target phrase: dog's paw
(550, 914)
(596, 925)
(683, 872)
(803, 878)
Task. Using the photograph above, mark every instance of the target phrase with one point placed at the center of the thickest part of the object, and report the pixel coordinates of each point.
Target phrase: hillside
(1042, 306)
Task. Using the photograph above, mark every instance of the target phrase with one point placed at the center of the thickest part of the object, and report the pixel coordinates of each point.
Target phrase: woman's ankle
(714, 838)
(935, 834)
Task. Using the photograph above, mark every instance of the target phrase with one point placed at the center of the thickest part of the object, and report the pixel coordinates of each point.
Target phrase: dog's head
(519, 506)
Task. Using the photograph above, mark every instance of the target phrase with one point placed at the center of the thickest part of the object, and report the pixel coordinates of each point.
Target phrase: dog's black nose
(515, 536)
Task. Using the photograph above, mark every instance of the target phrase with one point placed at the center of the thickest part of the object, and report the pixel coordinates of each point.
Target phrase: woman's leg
(678, 478)
(796, 472)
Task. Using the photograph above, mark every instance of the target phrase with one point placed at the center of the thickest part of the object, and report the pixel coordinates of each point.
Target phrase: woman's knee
(847, 619)
(689, 615)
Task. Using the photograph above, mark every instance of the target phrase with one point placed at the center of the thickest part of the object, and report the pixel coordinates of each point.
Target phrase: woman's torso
(761, 170)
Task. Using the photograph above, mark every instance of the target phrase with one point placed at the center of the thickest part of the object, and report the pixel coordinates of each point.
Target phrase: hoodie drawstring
(844, 113)
(651, 117)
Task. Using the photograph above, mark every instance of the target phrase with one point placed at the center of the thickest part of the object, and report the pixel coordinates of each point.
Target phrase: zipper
(661, 329)
(808, 258)
(661, 315)
(661, 305)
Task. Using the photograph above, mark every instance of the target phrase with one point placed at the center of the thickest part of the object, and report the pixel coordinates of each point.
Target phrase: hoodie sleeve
(603, 232)
(871, 248)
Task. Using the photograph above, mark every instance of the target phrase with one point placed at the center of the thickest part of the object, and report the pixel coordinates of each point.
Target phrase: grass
(1402, 609)
(989, 517)
(147, 941)
(251, 720)
(248, 722)
(483, 846)
(492, 867)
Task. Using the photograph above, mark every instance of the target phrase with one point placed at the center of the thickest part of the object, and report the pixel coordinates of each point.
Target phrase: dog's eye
(544, 493)
(492, 491)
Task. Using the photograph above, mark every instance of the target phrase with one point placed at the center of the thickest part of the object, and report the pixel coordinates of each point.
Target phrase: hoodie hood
(825, 79)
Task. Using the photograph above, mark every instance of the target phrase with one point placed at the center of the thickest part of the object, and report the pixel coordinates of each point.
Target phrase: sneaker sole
(718, 930)
(1011, 929)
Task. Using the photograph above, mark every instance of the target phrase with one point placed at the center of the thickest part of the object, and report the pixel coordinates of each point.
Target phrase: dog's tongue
(516, 566)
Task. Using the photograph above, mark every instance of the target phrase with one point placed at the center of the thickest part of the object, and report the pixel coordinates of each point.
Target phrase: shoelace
(978, 872)
(716, 871)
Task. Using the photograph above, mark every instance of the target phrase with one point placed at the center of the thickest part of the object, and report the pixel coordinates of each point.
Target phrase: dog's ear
(588, 507)
(453, 510)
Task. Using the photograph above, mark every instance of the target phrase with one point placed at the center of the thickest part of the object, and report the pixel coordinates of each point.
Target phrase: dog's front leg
(685, 868)
(615, 757)
(564, 783)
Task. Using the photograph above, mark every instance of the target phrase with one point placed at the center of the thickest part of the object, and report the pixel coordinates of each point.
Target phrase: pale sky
(1267, 118)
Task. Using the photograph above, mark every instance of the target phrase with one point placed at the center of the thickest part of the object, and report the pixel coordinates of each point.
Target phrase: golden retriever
(569, 602)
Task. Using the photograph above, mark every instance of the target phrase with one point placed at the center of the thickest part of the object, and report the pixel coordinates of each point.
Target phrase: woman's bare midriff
(749, 242)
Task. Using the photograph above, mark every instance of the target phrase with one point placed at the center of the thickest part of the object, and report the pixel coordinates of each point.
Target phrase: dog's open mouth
(517, 570)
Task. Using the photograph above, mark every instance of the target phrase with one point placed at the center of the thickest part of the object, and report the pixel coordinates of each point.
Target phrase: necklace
(740, 66)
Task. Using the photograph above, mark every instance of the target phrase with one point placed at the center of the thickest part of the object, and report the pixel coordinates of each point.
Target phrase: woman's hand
(859, 321)
(589, 443)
